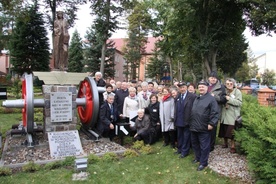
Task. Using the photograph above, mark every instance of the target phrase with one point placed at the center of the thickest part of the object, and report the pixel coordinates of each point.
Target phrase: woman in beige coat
(230, 111)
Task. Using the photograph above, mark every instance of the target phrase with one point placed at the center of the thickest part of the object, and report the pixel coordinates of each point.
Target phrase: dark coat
(100, 83)
(183, 110)
(105, 116)
(142, 126)
(120, 96)
(153, 111)
(205, 111)
(219, 92)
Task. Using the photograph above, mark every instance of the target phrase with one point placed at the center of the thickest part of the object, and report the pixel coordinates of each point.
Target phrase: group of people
(183, 117)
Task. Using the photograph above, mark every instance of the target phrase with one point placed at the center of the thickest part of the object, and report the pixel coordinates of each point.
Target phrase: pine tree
(93, 49)
(75, 54)
(139, 21)
(29, 44)
(156, 65)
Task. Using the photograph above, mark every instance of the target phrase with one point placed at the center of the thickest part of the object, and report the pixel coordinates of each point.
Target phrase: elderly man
(217, 90)
(107, 118)
(183, 107)
(120, 96)
(204, 117)
(101, 83)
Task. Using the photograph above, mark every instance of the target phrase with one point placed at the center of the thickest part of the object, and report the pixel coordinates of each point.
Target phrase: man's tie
(111, 109)
(181, 100)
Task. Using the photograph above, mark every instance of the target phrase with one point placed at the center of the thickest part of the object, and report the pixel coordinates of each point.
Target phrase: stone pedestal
(266, 97)
(247, 90)
(52, 124)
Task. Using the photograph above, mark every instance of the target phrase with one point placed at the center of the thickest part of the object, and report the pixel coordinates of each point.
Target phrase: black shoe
(182, 156)
(200, 168)
(177, 152)
(212, 149)
(165, 144)
(195, 161)
(173, 146)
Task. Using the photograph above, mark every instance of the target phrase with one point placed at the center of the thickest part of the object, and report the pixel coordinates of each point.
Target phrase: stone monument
(61, 42)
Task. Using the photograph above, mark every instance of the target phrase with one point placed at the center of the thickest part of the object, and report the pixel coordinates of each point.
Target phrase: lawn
(162, 166)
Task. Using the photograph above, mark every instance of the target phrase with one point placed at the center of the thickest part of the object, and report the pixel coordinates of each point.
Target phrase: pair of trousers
(169, 137)
(183, 140)
(201, 146)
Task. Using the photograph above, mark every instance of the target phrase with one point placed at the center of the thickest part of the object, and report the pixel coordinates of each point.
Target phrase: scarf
(166, 97)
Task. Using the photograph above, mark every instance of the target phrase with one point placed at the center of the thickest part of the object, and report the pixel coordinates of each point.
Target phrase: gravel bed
(15, 152)
(229, 164)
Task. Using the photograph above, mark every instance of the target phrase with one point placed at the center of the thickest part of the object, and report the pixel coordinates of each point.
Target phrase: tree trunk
(103, 58)
(105, 37)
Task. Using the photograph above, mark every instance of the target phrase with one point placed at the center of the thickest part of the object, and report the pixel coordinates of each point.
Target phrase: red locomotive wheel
(28, 97)
(89, 112)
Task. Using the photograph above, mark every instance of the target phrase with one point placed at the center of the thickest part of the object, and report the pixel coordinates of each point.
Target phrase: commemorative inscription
(64, 143)
(61, 107)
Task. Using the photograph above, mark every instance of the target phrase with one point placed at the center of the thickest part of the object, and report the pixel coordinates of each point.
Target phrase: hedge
(258, 139)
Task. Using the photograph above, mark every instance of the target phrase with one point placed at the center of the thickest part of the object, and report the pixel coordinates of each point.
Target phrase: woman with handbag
(230, 112)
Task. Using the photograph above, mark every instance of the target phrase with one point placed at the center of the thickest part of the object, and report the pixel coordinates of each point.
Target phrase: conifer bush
(258, 138)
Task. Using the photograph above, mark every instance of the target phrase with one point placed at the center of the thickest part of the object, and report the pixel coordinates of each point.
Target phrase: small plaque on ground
(64, 143)
(61, 106)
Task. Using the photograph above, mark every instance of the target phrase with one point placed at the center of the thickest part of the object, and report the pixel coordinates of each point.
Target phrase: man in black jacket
(107, 118)
(183, 107)
(204, 117)
(120, 96)
(217, 90)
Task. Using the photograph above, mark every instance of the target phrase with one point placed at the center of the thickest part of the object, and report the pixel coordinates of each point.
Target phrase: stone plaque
(61, 106)
(64, 143)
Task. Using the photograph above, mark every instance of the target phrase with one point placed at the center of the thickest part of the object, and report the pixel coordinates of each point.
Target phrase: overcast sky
(259, 45)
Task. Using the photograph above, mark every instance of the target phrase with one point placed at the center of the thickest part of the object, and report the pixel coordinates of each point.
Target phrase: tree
(156, 65)
(5, 30)
(201, 27)
(75, 59)
(139, 21)
(260, 16)
(29, 43)
(268, 77)
(106, 12)
(249, 69)
(93, 48)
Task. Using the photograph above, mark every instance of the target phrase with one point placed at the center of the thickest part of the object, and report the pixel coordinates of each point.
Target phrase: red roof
(121, 42)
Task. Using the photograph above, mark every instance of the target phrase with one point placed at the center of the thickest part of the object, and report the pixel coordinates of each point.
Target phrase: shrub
(129, 153)
(31, 167)
(146, 150)
(258, 138)
(138, 145)
(92, 158)
(53, 165)
(38, 117)
(5, 171)
(69, 161)
(110, 156)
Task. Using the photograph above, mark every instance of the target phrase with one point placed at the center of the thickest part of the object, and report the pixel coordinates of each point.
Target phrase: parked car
(273, 87)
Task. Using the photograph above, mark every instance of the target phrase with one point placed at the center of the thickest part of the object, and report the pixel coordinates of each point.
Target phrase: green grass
(162, 166)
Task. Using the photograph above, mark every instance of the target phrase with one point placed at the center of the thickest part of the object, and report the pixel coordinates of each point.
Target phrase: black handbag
(238, 122)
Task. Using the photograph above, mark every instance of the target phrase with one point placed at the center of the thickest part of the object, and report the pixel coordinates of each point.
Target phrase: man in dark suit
(183, 107)
(107, 118)
(120, 96)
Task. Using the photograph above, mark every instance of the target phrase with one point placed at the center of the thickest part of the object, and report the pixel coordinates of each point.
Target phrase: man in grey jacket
(204, 117)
